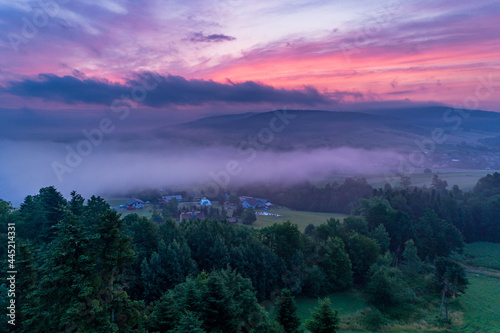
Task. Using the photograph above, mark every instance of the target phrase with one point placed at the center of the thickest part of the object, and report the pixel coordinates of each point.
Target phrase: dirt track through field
(490, 274)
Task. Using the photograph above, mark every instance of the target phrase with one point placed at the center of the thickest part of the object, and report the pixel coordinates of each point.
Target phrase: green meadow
(481, 305)
(301, 218)
(483, 254)
(464, 178)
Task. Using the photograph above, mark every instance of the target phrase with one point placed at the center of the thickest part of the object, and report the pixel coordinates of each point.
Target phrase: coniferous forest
(231, 166)
(84, 268)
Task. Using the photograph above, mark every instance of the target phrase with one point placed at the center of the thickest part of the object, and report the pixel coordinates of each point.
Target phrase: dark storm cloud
(200, 37)
(159, 91)
(67, 89)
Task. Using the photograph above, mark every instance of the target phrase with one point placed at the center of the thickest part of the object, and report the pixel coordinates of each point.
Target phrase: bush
(373, 319)
(387, 288)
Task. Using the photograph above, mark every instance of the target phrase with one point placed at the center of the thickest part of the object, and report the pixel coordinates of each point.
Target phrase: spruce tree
(324, 319)
(114, 254)
(286, 312)
(27, 281)
(410, 255)
(76, 204)
(63, 300)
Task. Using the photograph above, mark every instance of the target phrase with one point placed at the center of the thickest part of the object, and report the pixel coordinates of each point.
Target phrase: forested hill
(392, 128)
(83, 268)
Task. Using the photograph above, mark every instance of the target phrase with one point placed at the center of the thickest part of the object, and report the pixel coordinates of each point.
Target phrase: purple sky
(82, 54)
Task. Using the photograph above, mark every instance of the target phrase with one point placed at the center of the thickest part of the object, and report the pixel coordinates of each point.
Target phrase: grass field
(302, 219)
(347, 303)
(352, 310)
(481, 305)
(465, 179)
(482, 254)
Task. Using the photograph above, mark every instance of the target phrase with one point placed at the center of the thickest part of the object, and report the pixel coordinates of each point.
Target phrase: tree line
(475, 213)
(84, 268)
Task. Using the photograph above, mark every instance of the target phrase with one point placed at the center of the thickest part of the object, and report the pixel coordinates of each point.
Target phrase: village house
(205, 202)
(134, 203)
(254, 203)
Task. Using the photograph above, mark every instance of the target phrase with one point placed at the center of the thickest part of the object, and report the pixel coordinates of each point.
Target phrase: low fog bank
(117, 167)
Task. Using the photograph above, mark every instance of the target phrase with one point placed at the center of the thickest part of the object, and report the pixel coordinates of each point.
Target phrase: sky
(69, 66)
(228, 55)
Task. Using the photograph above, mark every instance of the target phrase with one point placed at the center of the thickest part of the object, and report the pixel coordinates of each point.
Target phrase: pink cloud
(454, 42)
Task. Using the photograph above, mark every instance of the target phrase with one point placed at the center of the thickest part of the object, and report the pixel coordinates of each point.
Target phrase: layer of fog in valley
(121, 166)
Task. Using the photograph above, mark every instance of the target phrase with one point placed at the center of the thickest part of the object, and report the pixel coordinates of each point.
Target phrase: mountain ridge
(397, 129)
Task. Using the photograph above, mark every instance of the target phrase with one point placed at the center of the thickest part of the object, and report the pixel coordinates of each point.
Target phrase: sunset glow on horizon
(423, 51)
